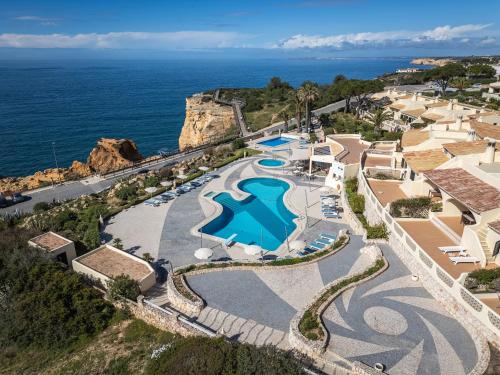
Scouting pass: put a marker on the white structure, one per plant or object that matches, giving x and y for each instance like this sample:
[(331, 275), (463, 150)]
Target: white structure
[(55, 246), (493, 91), (107, 262)]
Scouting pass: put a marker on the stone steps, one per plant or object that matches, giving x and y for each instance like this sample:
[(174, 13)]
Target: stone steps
[(242, 330)]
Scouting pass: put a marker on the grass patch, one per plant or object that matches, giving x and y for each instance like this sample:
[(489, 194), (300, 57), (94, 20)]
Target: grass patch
[(266, 116)]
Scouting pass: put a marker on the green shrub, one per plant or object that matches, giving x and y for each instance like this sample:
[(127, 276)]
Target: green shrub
[(91, 238), (377, 231), (357, 203), (123, 286), (411, 207), (239, 143), (126, 192), (40, 207), (151, 181), (485, 276)]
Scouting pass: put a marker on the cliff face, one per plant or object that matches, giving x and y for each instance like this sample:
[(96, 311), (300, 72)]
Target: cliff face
[(112, 154), (431, 61), (205, 120), (108, 155)]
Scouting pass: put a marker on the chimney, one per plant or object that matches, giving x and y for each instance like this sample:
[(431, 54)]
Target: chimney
[(489, 154), (414, 98), (458, 122), (450, 106), (471, 135)]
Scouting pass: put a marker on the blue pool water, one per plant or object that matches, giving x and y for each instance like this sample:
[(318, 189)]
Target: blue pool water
[(271, 162), (261, 219), (278, 141)]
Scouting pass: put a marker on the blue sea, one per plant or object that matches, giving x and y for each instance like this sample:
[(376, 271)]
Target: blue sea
[(74, 103)]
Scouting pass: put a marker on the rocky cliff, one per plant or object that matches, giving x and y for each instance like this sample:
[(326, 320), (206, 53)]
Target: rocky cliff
[(205, 121), (108, 155), (432, 61), (113, 154)]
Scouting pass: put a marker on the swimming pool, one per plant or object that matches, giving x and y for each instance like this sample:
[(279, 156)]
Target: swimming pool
[(278, 141), (262, 218), (271, 162)]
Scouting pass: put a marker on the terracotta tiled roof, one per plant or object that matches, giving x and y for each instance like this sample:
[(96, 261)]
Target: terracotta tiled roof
[(397, 106), (414, 137), (484, 130), (474, 193), (435, 105), (414, 112), (112, 263), (420, 161), (50, 241), (495, 225), (432, 116), (466, 148)]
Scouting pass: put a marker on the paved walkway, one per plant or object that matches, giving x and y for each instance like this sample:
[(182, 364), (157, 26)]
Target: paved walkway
[(395, 321)]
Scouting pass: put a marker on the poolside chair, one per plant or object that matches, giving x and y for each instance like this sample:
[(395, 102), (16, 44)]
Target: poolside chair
[(316, 245), (452, 249), (230, 240), (331, 215), (323, 241), (464, 259), (328, 236)]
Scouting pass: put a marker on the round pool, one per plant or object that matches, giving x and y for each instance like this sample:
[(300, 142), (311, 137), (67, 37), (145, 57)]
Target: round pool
[(271, 163)]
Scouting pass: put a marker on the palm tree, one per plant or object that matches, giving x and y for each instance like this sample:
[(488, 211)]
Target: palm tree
[(308, 93), (297, 101), (460, 83), (378, 117), (285, 117)]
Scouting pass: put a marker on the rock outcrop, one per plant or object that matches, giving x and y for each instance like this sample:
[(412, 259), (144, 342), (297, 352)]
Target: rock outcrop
[(431, 61), (205, 121), (113, 154), (108, 155)]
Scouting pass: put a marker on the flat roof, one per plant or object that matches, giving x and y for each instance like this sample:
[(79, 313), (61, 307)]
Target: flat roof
[(420, 161), (112, 262), (354, 148), (466, 148), (50, 241), (386, 191), (474, 193), (414, 137), (378, 161)]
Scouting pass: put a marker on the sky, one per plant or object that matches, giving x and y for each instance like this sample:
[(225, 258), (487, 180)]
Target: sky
[(248, 29)]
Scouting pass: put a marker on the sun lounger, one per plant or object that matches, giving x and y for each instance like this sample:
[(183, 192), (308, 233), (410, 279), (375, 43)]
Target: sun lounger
[(230, 240), (452, 249), (331, 216), (316, 245), (151, 202), (466, 259), (328, 236), (323, 241)]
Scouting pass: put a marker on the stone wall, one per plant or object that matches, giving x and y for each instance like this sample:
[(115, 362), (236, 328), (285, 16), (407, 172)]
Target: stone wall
[(180, 302)]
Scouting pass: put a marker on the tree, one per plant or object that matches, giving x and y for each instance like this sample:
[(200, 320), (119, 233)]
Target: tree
[(443, 74), (460, 83), (239, 143), (118, 243), (297, 101), (40, 207), (345, 89), (123, 286), (285, 117), (147, 257), (308, 93), (362, 88), (378, 117), (481, 71)]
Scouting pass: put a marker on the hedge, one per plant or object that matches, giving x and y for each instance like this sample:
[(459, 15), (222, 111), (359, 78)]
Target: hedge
[(411, 207)]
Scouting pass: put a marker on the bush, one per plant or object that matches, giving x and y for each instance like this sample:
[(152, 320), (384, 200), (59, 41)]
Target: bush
[(151, 181), (411, 207), (377, 231), (166, 172), (126, 192), (485, 276), (357, 203), (123, 286), (239, 143), (40, 207), (91, 238)]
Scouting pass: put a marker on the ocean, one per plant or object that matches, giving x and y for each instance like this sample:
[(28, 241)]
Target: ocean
[(69, 105)]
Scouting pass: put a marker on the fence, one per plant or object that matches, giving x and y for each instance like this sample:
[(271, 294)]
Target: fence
[(481, 312)]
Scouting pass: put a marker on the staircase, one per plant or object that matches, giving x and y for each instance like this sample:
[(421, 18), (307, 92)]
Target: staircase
[(488, 252)]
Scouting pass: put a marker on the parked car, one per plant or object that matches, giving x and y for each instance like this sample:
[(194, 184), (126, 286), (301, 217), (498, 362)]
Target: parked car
[(18, 198)]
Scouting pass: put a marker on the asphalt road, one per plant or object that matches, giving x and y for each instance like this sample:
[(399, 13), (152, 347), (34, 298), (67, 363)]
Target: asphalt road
[(73, 189)]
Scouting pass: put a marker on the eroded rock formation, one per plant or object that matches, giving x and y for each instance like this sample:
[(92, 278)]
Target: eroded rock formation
[(205, 121)]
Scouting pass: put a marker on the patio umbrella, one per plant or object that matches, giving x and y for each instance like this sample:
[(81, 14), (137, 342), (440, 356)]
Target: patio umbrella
[(252, 249), (181, 176), (166, 183), (297, 245), (151, 190), (203, 253)]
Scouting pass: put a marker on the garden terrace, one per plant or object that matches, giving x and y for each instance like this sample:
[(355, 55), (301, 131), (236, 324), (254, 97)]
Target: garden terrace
[(411, 207)]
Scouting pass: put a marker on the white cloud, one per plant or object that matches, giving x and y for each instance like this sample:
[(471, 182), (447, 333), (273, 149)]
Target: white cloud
[(44, 21), (142, 40), (443, 34)]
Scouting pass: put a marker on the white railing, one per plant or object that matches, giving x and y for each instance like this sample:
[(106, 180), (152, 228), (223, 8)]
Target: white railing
[(483, 313)]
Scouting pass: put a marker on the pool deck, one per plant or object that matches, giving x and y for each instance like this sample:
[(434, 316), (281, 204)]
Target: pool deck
[(390, 319)]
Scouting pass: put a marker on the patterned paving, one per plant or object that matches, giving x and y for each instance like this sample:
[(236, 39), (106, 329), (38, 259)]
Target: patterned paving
[(393, 320)]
